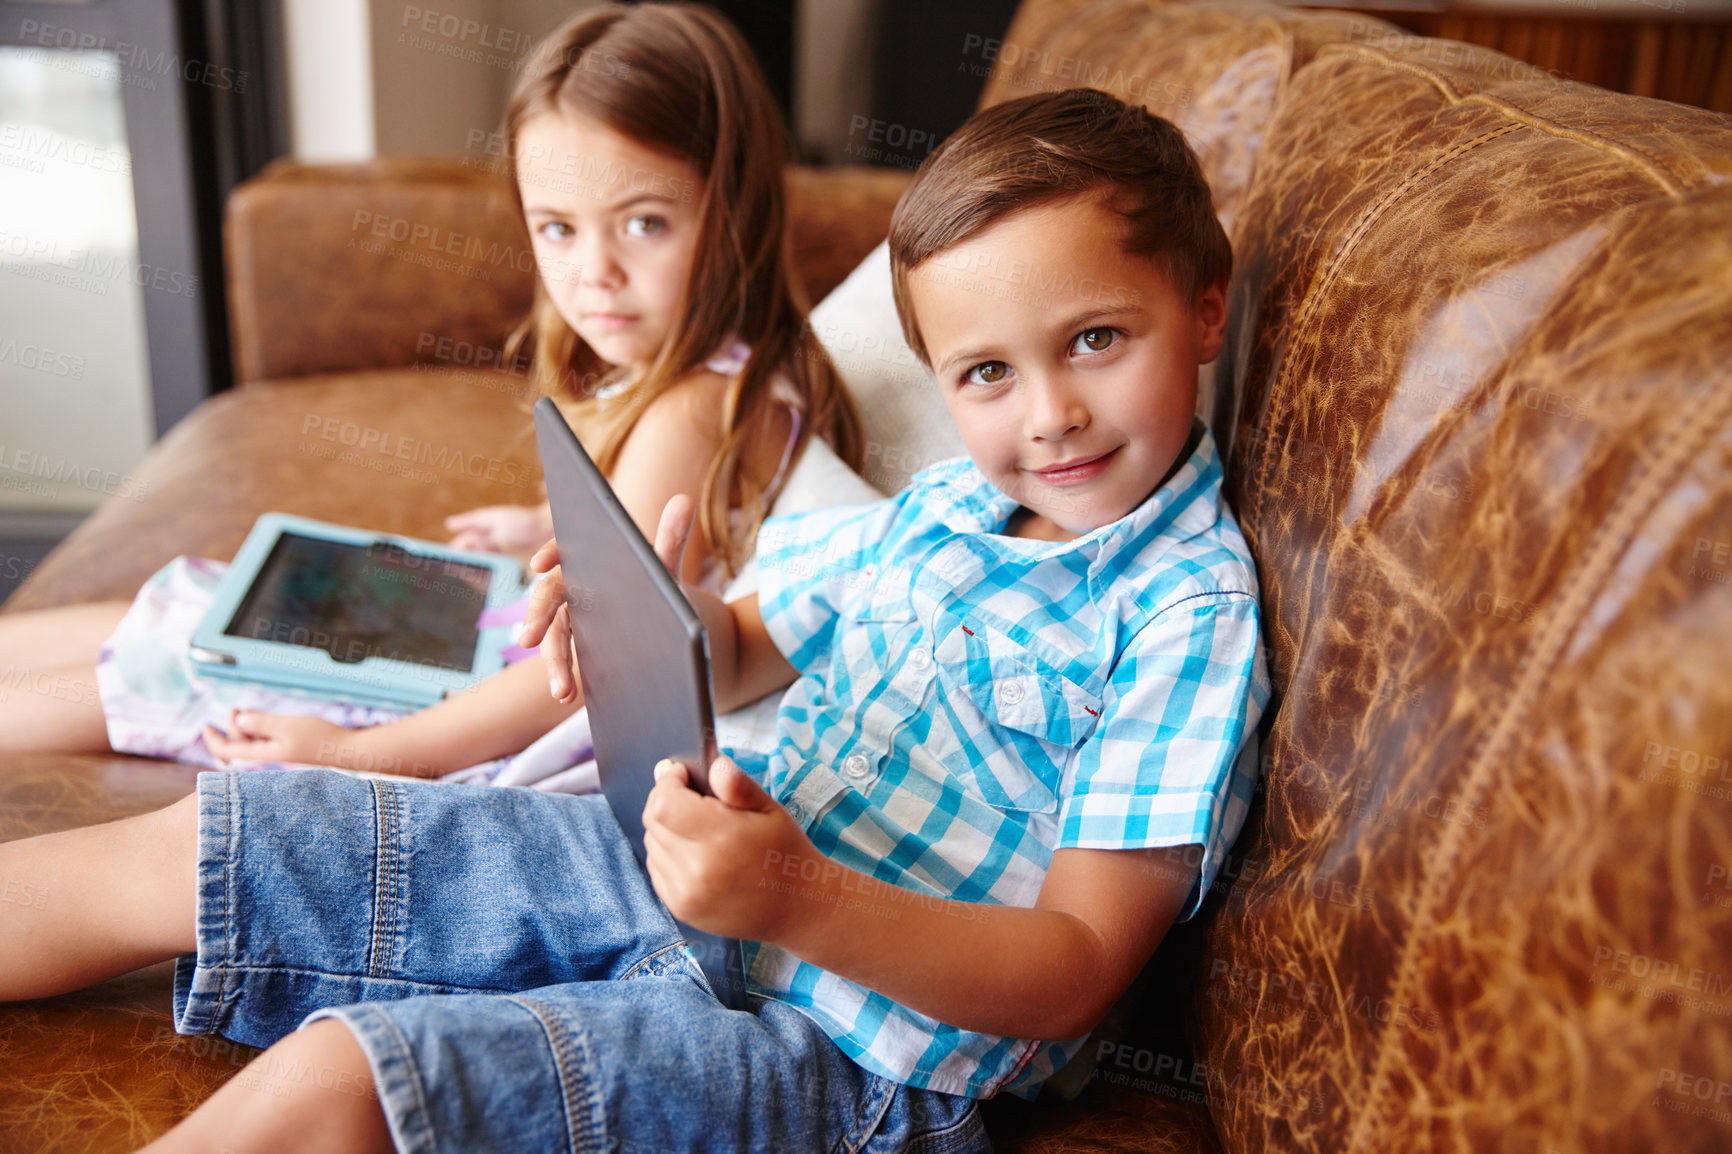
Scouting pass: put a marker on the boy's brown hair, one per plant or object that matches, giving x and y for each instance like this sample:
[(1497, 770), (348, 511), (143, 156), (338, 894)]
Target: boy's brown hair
[(1038, 149)]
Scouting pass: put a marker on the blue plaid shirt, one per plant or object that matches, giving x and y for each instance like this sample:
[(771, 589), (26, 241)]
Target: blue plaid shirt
[(968, 703)]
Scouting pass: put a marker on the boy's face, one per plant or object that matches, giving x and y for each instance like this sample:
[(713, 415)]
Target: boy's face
[(1069, 365), (614, 226)]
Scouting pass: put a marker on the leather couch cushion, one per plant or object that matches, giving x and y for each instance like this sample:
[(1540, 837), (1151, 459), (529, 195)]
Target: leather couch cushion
[(397, 450), (1101, 1122), (335, 268), (1215, 68), (340, 267), (1476, 376), (100, 1069)]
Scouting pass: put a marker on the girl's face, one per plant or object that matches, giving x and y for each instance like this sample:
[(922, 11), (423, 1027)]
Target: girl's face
[(614, 225)]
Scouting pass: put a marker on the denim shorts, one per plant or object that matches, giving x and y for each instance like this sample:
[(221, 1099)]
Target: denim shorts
[(515, 983)]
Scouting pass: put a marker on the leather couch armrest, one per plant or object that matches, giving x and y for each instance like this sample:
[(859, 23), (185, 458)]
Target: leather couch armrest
[(839, 215), (342, 268)]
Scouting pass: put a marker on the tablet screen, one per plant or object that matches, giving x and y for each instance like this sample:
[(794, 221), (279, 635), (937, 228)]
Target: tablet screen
[(361, 601)]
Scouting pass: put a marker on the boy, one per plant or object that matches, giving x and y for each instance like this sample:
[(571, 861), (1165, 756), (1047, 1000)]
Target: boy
[(1026, 664)]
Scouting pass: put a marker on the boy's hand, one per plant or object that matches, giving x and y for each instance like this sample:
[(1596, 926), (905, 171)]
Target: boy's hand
[(547, 620), (707, 855), (547, 623), (276, 737)]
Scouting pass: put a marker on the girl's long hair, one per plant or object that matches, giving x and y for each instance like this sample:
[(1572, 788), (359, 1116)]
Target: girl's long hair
[(678, 79)]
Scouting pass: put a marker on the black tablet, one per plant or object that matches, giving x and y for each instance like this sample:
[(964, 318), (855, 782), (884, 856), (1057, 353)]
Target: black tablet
[(642, 656)]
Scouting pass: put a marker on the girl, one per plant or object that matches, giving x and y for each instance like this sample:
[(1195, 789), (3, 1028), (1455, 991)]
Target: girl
[(647, 157)]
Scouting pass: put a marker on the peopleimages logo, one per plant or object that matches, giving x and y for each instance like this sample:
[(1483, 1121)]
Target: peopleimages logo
[(466, 31), (86, 270), (400, 447), (21, 463), (134, 59), (36, 144), (43, 360)]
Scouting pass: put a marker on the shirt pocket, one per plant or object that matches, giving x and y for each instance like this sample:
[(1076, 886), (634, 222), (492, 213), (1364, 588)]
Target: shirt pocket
[(1013, 719)]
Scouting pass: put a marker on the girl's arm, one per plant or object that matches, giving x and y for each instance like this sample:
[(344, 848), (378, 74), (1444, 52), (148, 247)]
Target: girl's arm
[(668, 452), (499, 716)]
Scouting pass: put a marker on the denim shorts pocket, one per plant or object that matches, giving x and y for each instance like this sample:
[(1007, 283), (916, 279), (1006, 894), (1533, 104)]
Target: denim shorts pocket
[(965, 1135), (929, 1122), (670, 959)]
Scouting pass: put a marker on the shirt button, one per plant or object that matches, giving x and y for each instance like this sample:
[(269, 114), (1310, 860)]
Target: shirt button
[(855, 765), (918, 659), (1011, 691)]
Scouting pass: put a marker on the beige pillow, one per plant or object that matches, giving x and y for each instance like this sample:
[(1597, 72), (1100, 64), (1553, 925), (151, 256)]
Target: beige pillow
[(907, 425)]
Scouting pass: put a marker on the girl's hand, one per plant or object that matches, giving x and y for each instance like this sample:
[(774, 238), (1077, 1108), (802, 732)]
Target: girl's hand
[(277, 737), (283, 737), (715, 861), (500, 528)]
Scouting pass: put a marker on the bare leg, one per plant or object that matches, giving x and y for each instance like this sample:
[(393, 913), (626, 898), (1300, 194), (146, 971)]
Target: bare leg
[(52, 710), (48, 698), (310, 1091), (48, 638), (87, 904)]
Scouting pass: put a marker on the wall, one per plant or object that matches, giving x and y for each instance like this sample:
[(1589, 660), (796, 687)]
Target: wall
[(330, 79), (386, 78), (443, 70)]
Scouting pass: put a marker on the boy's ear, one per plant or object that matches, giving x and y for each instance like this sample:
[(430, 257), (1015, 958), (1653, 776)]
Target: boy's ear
[(1210, 313)]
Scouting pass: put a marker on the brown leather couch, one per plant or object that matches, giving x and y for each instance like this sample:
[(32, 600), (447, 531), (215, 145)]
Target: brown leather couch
[(1478, 413)]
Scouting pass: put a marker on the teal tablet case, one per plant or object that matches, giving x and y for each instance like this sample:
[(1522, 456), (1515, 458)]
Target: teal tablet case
[(365, 674)]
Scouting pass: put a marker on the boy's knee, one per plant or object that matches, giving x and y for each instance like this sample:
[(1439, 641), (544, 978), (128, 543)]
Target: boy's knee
[(332, 1041), (165, 848), (179, 822)]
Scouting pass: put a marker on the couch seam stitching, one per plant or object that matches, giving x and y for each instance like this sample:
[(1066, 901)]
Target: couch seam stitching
[(1657, 169), (1331, 272), (232, 864), (1390, 60), (1609, 545)]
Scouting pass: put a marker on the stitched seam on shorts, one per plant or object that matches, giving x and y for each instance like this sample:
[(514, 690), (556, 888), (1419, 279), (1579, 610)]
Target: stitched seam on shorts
[(385, 980), (385, 879), (230, 864), (587, 1133), (960, 1134), (405, 1055), (643, 966), (885, 1089)]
